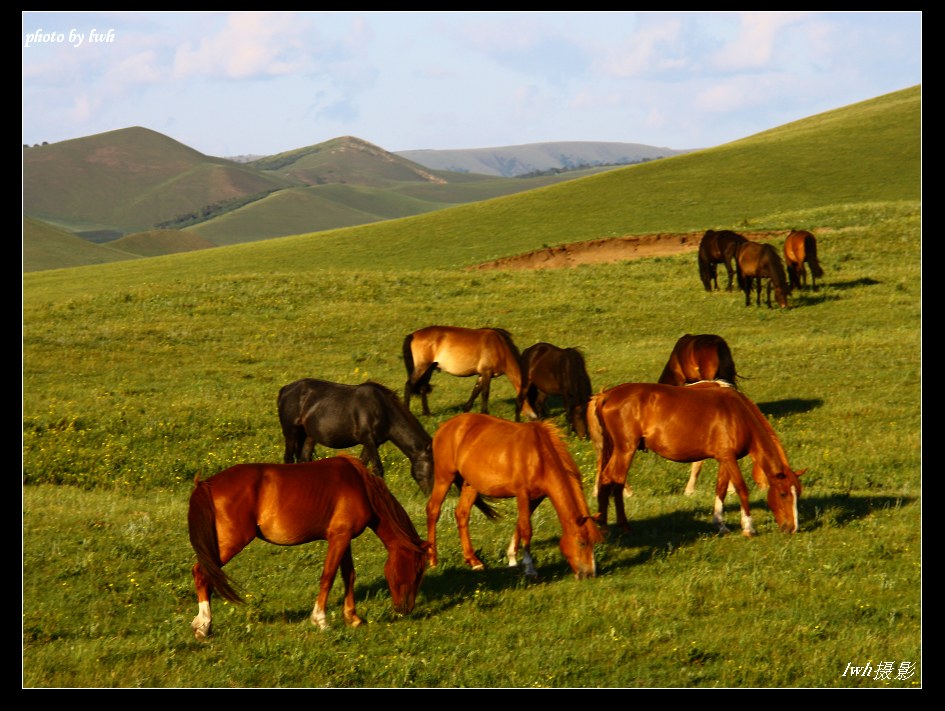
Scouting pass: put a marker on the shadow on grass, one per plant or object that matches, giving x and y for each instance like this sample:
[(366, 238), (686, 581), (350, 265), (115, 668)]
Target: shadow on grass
[(452, 584)]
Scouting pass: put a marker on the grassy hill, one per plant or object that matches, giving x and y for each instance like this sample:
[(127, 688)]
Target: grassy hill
[(129, 180), (855, 155), (135, 180)]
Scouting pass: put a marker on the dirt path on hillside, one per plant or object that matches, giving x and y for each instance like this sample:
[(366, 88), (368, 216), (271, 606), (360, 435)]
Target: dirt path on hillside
[(614, 249)]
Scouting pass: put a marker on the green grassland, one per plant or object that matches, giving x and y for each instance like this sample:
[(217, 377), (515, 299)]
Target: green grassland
[(139, 375)]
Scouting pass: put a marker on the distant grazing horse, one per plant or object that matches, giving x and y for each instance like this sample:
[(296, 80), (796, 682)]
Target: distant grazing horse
[(696, 358), (486, 353), (757, 261), (688, 424), (330, 500), (487, 456), (339, 416), (549, 370), (714, 249), (799, 247)]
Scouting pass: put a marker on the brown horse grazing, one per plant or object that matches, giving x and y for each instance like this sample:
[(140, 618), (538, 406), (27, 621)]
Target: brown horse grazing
[(487, 456), (339, 416), (330, 500), (484, 352), (714, 249), (549, 370), (696, 358), (688, 424), (799, 247), (757, 261)]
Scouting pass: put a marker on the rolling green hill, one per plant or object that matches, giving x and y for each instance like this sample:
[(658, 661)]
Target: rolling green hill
[(129, 180), (135, 180), (857, 155)]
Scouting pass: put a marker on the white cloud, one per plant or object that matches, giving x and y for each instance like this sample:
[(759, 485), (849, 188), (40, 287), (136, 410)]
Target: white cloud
[(251, 44)]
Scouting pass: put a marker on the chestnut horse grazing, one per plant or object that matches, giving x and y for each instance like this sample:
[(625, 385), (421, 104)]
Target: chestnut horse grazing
[(688, 424), (714, 249), (801, 246), (549, 370), (486, 456), (339, 416), (694, 359), (330, 500), (484, 352), (757, 261)]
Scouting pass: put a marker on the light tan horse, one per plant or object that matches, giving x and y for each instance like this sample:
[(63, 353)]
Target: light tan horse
[(486, 353)]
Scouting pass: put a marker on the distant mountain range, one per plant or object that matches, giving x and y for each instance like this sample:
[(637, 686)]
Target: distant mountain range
[(537, 158), (134, 188)]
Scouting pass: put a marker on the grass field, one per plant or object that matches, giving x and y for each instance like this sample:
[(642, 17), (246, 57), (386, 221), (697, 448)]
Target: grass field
[(139, 375)]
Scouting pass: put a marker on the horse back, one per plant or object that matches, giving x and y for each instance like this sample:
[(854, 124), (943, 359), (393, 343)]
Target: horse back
[(683, 424)]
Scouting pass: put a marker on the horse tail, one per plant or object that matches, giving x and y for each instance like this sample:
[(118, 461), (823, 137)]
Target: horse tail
[(408, 355), (810, 250), (705, 273), (606, 446), (201, 520), (726, 369)]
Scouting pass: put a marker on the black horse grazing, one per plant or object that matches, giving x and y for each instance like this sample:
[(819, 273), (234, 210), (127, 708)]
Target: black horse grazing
[(549, 370), (714, 249), (334, 415), (756, 260)]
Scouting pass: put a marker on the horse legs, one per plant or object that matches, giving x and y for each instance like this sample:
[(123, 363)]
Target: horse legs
[(308, 449), (522, 536), (612, 483), (339, 555), (441, 486), (731, 275), (371, 458), (294, 439), (693, 477), (694, 471), (201, 624), (482, 386), (730, 473), (466, 498)]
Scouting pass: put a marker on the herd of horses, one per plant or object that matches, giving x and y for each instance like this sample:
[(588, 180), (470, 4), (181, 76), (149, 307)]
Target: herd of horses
[(752, 263), (694, 412)]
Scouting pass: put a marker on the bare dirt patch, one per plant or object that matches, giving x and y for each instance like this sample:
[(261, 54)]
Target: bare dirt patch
[(613, 249)]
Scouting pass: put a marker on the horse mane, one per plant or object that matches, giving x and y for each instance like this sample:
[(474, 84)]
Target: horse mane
[(766, 426), (579, 383), (777, 272), (386, 507), (507, 337), (560, 451)]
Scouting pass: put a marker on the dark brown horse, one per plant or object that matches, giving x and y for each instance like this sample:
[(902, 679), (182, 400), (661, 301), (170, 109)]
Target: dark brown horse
[(799, 247), (330, 500), (550, 370), (486, 353), (696, 358), (688, 424), (757, 261), (340, 416), (487, 456), (714, 249)]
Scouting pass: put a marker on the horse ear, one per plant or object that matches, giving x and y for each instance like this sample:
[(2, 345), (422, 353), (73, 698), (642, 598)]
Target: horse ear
[(802, 471)]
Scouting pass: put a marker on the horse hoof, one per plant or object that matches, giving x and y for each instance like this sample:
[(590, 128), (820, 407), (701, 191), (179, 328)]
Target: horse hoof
[(478, 566)]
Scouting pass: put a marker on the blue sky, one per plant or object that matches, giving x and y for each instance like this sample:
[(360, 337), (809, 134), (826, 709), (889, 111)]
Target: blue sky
[(232, 83)]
